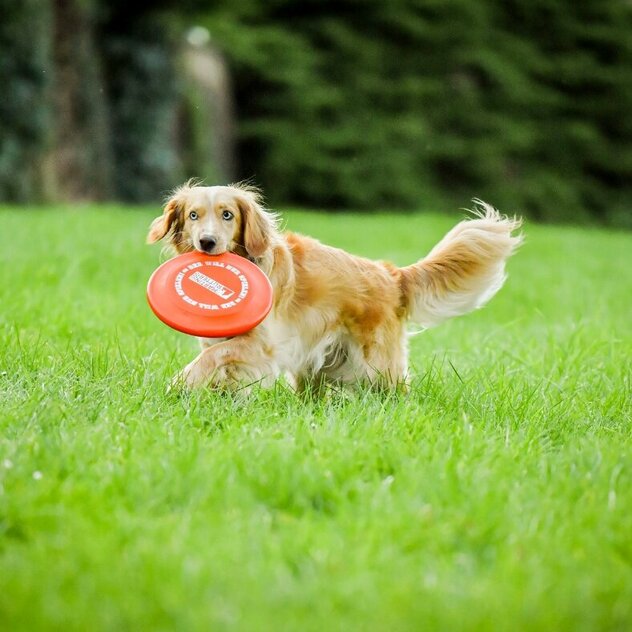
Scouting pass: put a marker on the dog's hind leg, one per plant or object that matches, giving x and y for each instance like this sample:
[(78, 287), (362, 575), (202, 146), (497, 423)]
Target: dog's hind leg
[(382, 366)]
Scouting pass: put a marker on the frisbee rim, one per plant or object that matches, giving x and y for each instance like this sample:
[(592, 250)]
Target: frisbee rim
[(226, 327)]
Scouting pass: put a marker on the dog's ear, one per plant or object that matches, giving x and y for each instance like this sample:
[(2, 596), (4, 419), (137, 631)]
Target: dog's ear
[(258, 225), (163, 223)]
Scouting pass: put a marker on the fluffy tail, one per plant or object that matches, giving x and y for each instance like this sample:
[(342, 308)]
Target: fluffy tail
[(463, 271)]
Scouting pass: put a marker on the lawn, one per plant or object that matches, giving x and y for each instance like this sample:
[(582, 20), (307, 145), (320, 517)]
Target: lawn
[(496, 494)]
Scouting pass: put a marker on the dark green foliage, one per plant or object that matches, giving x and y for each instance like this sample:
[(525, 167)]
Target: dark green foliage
[(143, 93), (414, 102), (366, 104), (25, 111)]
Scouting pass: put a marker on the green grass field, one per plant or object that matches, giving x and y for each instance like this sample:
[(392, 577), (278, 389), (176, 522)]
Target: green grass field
[(496, 495)]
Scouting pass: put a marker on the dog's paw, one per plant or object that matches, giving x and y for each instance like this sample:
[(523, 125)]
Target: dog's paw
[(197, 374), (192, 376), (233, 377)]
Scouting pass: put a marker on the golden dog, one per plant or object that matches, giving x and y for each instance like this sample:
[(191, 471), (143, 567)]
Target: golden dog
[(336, 318)]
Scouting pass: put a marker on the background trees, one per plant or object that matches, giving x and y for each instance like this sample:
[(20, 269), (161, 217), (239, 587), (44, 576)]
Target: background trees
[(372, 104)]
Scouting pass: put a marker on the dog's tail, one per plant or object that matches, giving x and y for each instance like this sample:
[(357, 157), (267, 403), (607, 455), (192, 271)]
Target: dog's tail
[(463, 271)]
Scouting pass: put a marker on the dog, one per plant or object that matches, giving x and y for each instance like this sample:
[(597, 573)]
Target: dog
[(336, 319)]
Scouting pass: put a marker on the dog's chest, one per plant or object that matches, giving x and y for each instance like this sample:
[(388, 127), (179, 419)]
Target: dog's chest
[(308, 346)]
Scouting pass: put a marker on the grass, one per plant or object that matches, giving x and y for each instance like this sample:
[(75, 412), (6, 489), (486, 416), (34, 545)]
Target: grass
[(497, 494)]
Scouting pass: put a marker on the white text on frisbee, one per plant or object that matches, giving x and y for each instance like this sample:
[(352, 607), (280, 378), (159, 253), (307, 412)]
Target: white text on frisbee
[(212, 285)]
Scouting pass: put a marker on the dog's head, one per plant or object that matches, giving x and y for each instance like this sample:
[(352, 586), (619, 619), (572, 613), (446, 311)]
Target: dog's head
[(215, 220)]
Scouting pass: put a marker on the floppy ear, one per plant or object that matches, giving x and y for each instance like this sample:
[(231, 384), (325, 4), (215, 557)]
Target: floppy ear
[(162, 224), (258, 226)]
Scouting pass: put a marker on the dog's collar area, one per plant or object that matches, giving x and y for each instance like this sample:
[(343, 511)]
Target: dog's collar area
[(254, 260)]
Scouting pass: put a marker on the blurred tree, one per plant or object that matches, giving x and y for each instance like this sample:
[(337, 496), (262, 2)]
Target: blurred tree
[(420, 102), (25, 111), (80, 154), (579, 155), (354, 103), (206, 126), (139, 54)]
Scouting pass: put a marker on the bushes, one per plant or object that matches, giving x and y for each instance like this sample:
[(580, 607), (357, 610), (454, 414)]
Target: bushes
[(415, 102), (142, 91), (356, 103), (25, 111)]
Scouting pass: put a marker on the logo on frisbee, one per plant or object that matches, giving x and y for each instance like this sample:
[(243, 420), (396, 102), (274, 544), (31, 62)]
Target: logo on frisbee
[(211, 285), (192, 273)]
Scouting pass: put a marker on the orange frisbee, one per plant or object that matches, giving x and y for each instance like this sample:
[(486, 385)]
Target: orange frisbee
[(211, 296)]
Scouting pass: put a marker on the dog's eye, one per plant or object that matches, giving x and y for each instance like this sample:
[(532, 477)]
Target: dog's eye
[(193, 215), (227, 215)]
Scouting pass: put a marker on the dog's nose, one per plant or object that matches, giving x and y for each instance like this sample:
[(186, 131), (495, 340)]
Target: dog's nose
[(207, 243)]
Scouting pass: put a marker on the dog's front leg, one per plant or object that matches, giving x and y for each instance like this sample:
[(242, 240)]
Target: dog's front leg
[(233, 364), (209, 342)]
